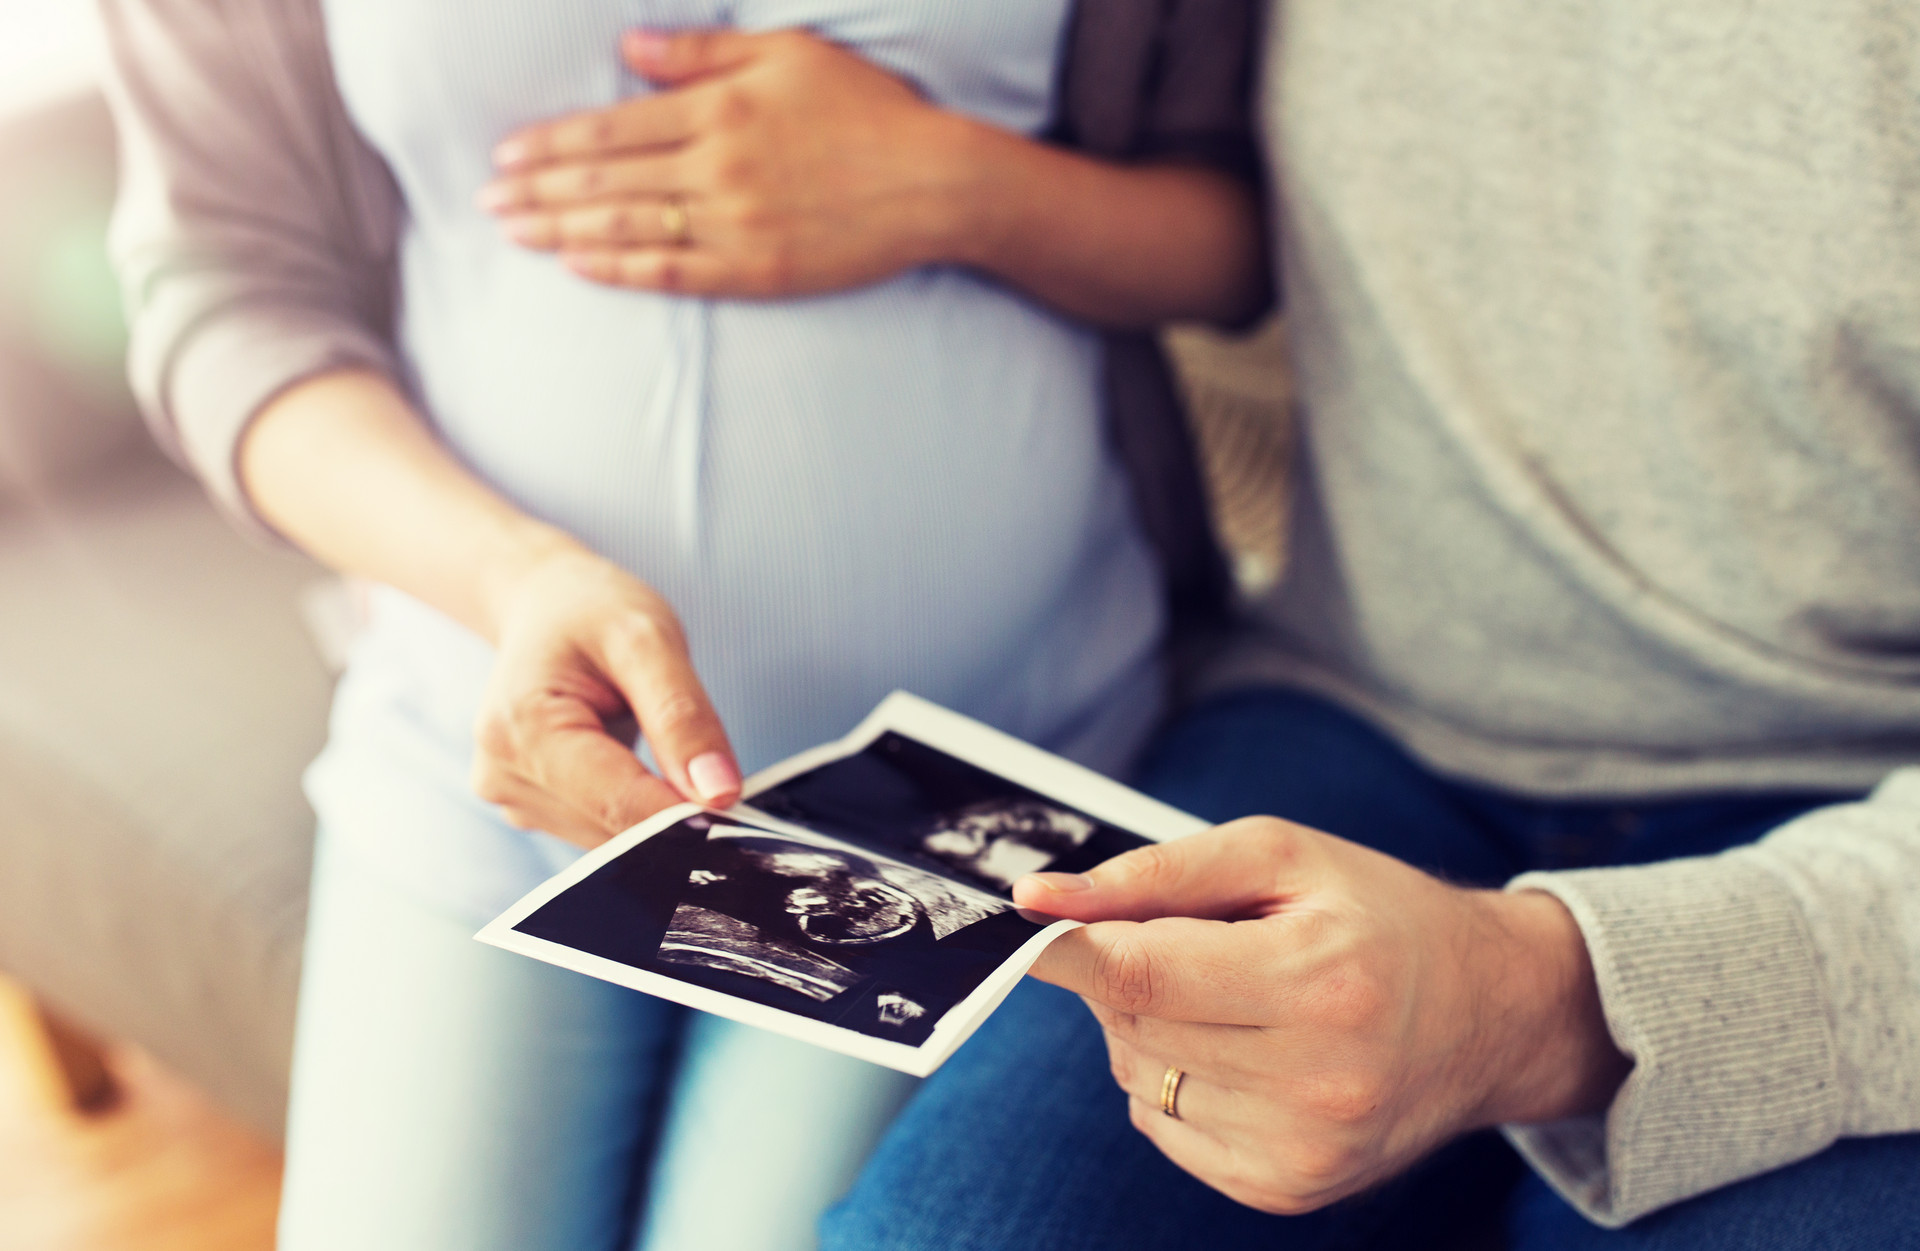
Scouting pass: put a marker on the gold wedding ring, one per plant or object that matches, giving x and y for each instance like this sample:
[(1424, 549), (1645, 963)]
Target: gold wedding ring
[(673, 220), (1170, 1091)]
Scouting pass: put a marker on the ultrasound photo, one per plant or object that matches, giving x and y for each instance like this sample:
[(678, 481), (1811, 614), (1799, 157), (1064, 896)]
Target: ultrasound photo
[(802, 924), (905, 798), (859, 898)]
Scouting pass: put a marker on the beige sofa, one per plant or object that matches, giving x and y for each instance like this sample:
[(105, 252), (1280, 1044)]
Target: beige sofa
[(158, 692)]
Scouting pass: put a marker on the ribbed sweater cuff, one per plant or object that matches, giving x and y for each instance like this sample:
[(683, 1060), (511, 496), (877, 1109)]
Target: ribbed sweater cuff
[(1708, 977), (231, 366)]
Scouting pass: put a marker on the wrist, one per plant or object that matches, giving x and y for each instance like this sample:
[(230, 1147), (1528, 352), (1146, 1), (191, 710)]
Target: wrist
[(515, 559), (977, 182), (1549, 1053)]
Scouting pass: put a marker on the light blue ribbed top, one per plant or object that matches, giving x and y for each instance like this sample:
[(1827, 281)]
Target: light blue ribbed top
[(907, 485)]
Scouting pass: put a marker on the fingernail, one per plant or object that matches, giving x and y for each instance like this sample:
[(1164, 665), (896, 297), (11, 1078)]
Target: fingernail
[(713, 775), (1064, 883), (495, 196), (521, 231), (511, 152), (646, 45)]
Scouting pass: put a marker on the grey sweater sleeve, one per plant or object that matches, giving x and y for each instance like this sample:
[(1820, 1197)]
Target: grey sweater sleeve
[(253, 234), (1769, 998)]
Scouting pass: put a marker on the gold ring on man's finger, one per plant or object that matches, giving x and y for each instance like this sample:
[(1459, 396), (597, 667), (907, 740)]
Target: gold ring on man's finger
[(1170, 1091)]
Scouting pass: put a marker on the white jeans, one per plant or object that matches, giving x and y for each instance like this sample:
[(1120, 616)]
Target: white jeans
[(449, 1096)]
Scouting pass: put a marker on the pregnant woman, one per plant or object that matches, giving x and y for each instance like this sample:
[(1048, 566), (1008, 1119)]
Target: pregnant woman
[(806, 408)]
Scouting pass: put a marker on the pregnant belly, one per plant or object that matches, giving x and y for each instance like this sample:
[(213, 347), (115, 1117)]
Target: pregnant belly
[(903, 486)]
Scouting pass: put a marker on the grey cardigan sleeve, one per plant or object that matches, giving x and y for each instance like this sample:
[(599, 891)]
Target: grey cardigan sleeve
[(254, 231), (1769, 997)]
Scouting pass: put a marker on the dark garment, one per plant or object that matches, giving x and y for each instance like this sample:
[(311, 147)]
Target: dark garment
[(1022, 1140), (1160, 80)]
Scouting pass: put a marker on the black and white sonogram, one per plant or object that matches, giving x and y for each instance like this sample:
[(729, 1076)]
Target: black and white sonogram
[(903, 798), (805, 925)]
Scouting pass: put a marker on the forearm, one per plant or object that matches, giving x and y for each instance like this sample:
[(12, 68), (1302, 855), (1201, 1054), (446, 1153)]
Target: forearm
[(1766, 996), (1117, 245), (343, 466)]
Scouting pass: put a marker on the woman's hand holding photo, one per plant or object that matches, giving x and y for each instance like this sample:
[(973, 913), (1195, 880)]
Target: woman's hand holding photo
[(587, 653)]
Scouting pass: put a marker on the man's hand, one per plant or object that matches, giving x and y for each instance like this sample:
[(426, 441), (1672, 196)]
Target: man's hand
[(1338, 1014), (771, 164)]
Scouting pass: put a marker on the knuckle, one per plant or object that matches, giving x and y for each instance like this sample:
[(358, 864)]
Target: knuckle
[(1348, 1099), (680, 710), (647, 633), (1126, 970), (1350, 1000), (1154, 868), (748, 214), (612, 814), (732, 107), (1280, 840)]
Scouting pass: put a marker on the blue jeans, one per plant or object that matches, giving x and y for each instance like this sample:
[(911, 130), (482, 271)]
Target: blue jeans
[(1022, 1140)]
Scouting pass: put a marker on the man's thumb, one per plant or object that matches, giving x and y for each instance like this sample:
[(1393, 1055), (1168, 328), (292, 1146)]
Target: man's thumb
[(683, 57), (1221, 874)]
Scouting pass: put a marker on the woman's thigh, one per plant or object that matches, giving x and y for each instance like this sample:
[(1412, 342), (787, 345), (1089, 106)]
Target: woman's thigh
[(1862, 1192), (449, 1095), (762, 1133)]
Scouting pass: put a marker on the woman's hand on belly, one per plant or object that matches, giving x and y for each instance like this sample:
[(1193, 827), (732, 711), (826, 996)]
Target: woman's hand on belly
[(586, 654), (780, 164), (747, 178)]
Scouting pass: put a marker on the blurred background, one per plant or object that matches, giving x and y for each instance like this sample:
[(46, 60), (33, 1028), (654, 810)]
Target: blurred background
[(140, 944), (163, 682)]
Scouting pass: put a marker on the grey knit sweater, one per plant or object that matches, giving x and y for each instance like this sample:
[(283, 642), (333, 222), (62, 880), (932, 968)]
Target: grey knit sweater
[(1607, 325)]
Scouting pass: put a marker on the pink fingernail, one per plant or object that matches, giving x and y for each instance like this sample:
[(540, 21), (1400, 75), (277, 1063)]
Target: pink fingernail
[(713, 775), (495, 196), (511, 152), (646, 45), (1064, 883)]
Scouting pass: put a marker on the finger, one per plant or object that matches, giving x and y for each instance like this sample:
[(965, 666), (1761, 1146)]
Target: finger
[(1176, 969), (647, 659), (570, 781), (604, 227), (1230, 871), (1227, 1055), (528, 807), (656, 121), (1197, 1099), (577, 182), (686, 55), (674, 270)]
